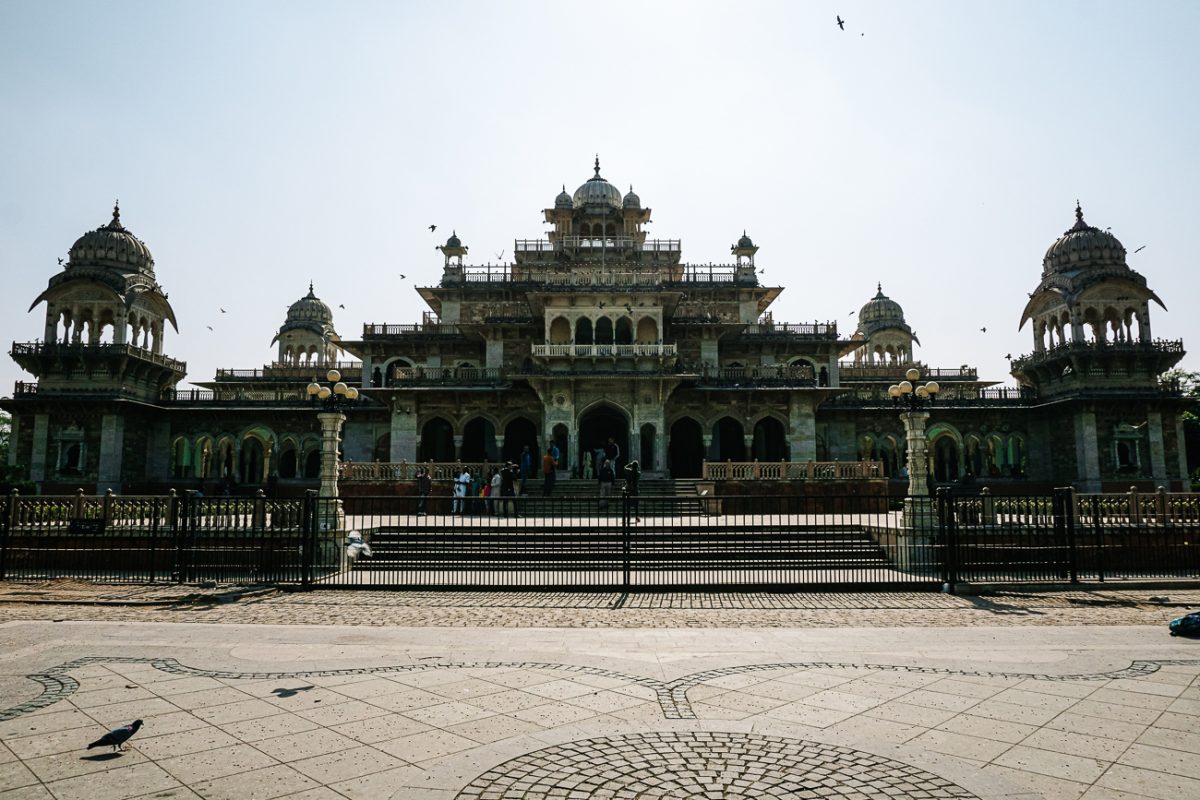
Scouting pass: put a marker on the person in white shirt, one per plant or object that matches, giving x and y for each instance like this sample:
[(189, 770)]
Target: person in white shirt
[(460, 491)]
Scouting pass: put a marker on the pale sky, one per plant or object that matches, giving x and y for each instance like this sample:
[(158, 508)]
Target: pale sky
[(936, 147)]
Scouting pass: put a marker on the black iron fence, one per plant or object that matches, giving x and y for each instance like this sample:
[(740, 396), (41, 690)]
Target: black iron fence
[(620, 542)]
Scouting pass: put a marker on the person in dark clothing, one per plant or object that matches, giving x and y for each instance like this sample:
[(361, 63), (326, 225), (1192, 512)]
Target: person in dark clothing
[(424, 487), (508, 489), (612, 452), (526, 467), (548, 474), (633, 474), (607, 478)]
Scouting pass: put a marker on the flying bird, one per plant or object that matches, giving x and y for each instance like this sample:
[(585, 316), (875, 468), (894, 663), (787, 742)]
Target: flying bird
[(403, 276), (117, 737), (341, 305), (500, 256), (840, 23), (1140, 249), (602, 305), (1008, 356), (60, 261), (209, 327), (223, 311), (983, 330), (432, 228), (852, 313)]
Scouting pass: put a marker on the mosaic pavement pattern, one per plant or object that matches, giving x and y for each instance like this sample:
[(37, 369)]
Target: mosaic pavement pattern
[(730, 766), (388, 731)]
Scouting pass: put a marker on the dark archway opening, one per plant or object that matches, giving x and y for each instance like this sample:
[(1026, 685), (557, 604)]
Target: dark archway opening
[(251, 462), (287, 464), (559, 436), (600, 424), (604, 331), (945, 460), (728, 441), (383, 448), (685, 457), (312, 464), (625, 334), (437, 441), (518, 433), (583, 331), (770, 441), (479, 441), (646, 457)]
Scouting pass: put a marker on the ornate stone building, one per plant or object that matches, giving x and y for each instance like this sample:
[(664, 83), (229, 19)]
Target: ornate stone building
[(595, 332)]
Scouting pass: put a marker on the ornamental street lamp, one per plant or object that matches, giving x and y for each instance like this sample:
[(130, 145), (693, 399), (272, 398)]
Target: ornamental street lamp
[(918, 508), (331, 398)]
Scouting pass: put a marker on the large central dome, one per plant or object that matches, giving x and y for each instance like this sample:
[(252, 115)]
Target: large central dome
[(597, 192)]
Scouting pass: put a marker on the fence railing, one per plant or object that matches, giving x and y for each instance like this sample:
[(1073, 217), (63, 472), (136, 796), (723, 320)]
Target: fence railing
[(603, 541), (791, 470), (604, 350)]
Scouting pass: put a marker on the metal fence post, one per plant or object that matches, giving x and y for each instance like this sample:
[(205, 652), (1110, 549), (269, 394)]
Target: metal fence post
[(1064, 529), (155, 511), (949, 538), (9, 522), (308, 538), (625, 536), (1098, 532)]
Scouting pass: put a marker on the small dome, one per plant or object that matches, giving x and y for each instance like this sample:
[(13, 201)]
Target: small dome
[(597, 192), (1084, 246), (563, 200), (112, 245), (309, 309), (453, 241), (745, 241), (631, 200), (880, 311)]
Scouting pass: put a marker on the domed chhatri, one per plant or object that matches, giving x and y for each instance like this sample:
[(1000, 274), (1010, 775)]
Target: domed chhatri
[(1083, 246), (112, 245), (745, 241), (453, 241), (631, 200), (597, 192), (880, 311), (309, 308), (564, 199)]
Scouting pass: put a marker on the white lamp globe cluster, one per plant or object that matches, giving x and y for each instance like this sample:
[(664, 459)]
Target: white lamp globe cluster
[(338, 388), (925, 391)]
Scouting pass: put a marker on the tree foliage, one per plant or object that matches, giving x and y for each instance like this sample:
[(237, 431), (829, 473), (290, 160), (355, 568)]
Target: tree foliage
[(1189, 385)]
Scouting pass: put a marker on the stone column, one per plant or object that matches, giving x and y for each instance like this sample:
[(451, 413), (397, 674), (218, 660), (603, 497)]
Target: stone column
[(918, 507), (1158, 449), (494, 353), (38, 454), (1087, 453), (1180, 447), (748, 443), (112, 445), (708, 451), (330, 510), (404, 439), (802, 430), (458, 443)]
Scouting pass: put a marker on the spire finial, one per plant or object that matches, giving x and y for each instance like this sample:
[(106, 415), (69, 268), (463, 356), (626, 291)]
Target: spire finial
[(879, 287), (597, 165), (1078, 212), (310, 287)]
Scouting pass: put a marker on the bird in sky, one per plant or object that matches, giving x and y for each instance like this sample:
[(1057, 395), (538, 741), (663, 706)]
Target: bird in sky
[(983, 330), (342, 305), (841, 23), (117, 737), (1008, 356), (432, 228), (403, 276), (60, 262), (209, 327), (223, 311), (500, 256), (1140, 249)]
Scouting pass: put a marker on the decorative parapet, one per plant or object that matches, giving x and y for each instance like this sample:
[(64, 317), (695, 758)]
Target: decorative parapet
[(792, 470)]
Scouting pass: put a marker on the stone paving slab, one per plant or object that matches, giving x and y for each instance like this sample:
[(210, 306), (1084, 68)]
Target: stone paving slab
[(244, 711)]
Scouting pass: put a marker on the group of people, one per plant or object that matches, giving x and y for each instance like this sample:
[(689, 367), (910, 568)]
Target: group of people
[(495, 492)]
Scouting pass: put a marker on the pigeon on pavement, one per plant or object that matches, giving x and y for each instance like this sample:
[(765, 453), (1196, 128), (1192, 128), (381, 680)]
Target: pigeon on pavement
[(117, 737)]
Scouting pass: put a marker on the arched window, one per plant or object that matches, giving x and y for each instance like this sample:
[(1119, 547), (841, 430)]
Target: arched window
[(312, 464), (560, 331), (624, 331), (604, 331), (945, 460), (287, 463), (647, 331), (583, 331)]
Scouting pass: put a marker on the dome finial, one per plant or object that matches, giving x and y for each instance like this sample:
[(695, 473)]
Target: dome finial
[(116, 211), (597, 165), (1078, 212), (310, 289)]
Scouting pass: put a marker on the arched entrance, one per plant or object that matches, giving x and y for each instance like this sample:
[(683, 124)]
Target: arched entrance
[(518, 433), (600, 424), (437, 441), (770, 443), (945, 460), (559, 435), (685, 456), (479, 441), (646, 458), (728, 441), (251, 461)]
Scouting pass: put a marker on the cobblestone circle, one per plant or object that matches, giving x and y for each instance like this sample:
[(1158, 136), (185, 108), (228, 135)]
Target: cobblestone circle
[(731, 766)]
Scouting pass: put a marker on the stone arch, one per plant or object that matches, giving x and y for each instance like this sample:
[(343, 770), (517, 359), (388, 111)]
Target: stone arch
[(389, 369), (479, 439), (520, 430), (560, 331), (685, 450), (226, 462), (600, 420), (437, 440), (945, 451), (728, 439), (382, 452), (289, 459), (624, 331), (604, 330), (647, 330), (1015, 447), (770, 439), (974, 455), (583, 331), (181, 458), (889, 453), (254, 456), (204, 457)]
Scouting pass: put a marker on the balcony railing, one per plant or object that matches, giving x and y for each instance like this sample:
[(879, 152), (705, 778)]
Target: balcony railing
[(619, 243), (595, 274), (850, 371), (604, 350), (236, 397), (349, 369), (793, 330), (1162, 346), (949, 396), (775, 374), (416, 329), (107, 349), (447, 375), (792, 470)]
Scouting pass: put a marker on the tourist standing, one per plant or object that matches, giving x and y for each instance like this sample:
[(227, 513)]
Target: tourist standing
[(633, 474), (607, 477), (424, 485), (548, 474), (461, 482), (612, 452), (508, 487), (474, 494), (496, 481)]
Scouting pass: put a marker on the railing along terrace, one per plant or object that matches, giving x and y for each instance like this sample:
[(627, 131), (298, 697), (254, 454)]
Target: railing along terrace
[(623, 243), (24, 388), (792, 470), (1166, 346), (393, 471), (447, 375), (235, 396), (850, 371), (427, 329), (798, 375), (949, 395), (282, 371), (604, 350), (790, 329), (81, 350)]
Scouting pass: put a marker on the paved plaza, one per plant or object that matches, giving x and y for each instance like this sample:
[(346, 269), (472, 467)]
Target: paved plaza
[(253, 693)]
